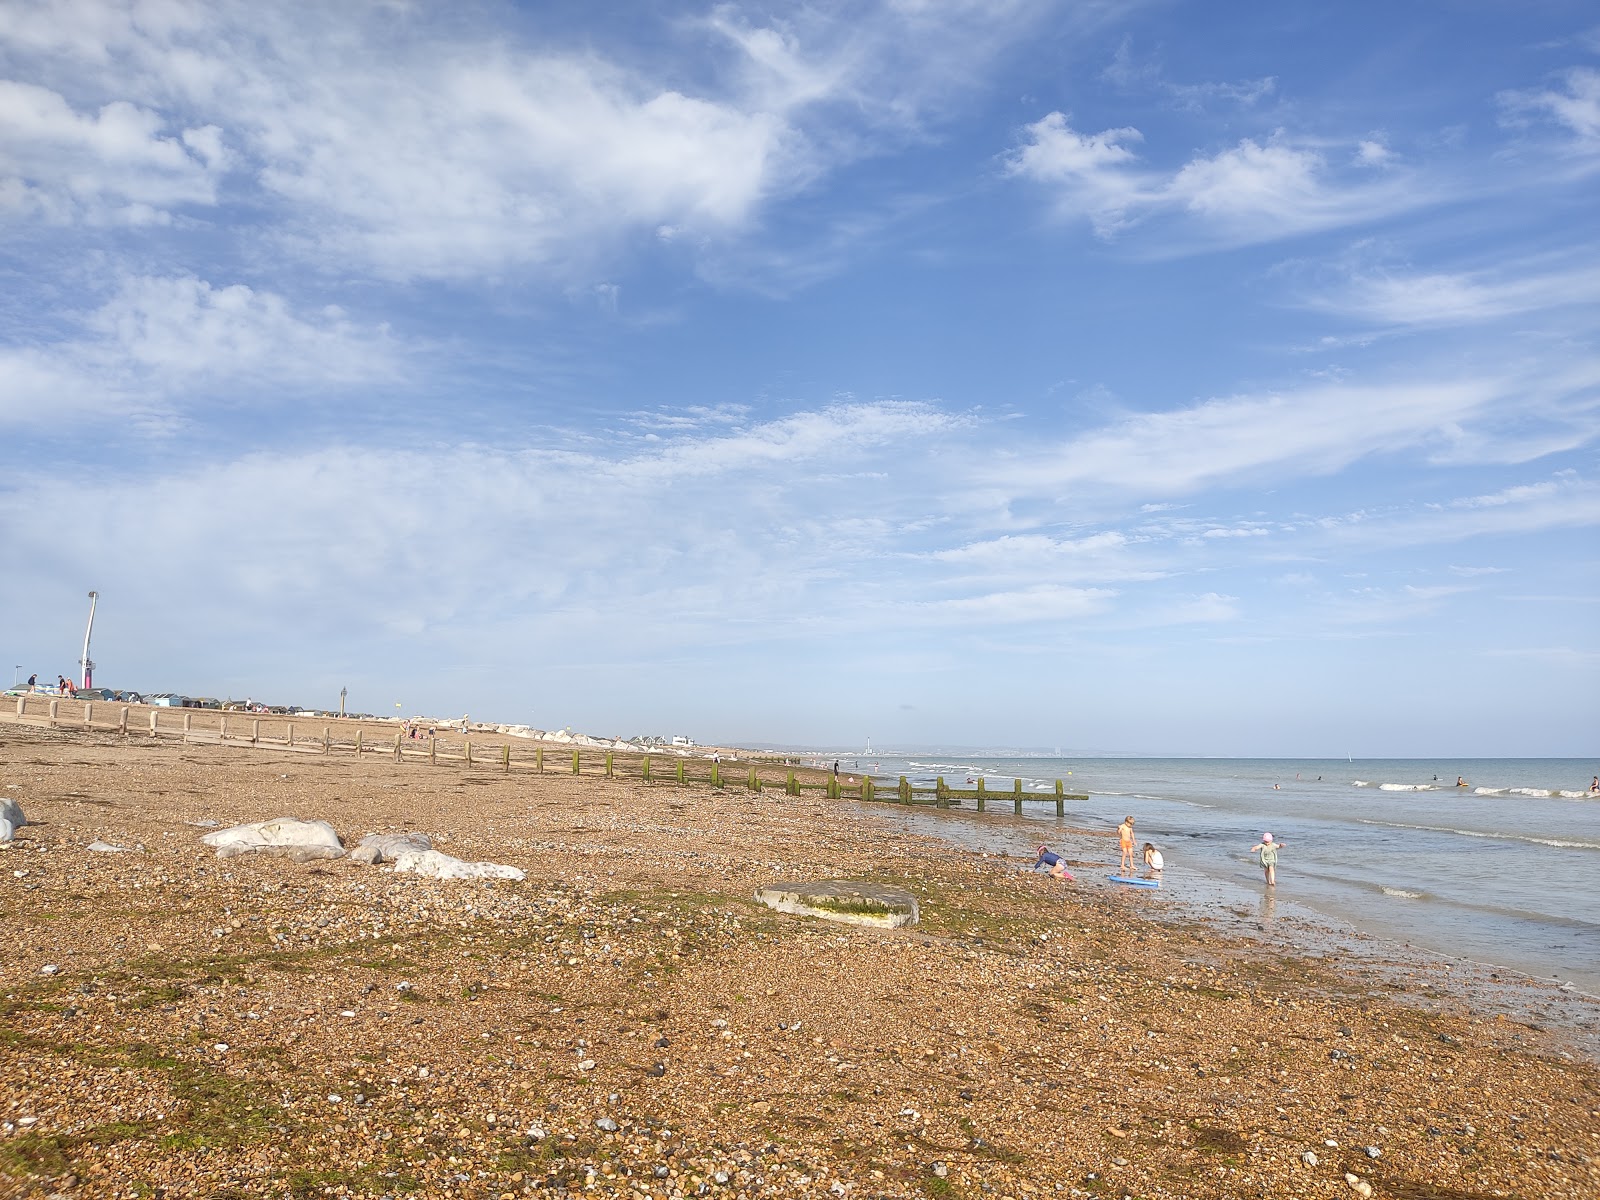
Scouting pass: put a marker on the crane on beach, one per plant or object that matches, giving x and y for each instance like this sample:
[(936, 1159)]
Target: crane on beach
[(88, 663)]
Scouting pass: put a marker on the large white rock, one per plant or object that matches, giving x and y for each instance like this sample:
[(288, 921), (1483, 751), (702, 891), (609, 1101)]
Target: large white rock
[(11, 812), (442, 866), (386, 847), (289, 837), (6, 831)]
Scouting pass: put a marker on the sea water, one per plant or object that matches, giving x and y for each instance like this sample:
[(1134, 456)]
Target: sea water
[(1504, 870)]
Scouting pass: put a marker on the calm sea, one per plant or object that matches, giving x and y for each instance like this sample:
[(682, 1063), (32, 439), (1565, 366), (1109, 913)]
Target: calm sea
[(1503, 871)]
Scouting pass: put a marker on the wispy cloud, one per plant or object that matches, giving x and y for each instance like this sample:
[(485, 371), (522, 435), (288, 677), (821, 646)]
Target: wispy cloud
[(1445, 298), (389, 140), (1256, 190), (1132, 73), (163, 346), (1574, 106)]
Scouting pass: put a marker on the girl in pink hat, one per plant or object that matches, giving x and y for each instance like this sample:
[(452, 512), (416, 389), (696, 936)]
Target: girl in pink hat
[(1268, 850)]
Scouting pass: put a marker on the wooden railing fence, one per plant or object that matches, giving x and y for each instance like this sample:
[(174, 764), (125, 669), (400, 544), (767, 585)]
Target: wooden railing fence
[(318, 737)]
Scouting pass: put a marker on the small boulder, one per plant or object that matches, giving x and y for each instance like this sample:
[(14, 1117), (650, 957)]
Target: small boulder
[(386, 847), (849, 901), (288, 837)]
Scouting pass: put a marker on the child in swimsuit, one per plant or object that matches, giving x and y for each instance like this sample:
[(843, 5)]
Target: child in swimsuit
[(1125, 837), (1058, 869)]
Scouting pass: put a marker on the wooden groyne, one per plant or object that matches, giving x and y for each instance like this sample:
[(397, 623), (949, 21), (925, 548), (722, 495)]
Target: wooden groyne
[(488, 750)]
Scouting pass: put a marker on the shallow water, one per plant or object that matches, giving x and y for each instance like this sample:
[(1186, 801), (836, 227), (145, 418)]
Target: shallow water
[(1504, 871)]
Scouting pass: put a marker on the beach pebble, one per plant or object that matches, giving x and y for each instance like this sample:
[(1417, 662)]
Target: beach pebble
[(940, 1169), (1358, 1185), (1309, 1158), (1374, 1152), (49, 969), (607, 1124)]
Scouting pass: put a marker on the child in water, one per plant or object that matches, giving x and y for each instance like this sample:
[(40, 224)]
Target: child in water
[(1058, 869), (1268, 850)]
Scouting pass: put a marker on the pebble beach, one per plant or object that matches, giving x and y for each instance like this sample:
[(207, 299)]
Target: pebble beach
[(627, 1021)]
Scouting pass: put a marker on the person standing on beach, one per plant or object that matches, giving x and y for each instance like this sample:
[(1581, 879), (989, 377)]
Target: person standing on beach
[(1125, 836), (1268, 850)]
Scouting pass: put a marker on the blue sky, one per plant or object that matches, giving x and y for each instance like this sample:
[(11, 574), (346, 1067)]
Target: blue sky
[(1167, 377)]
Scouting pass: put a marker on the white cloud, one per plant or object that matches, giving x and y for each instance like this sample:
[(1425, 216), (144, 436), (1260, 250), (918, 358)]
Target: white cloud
[(1092, 174), (1373, 153), (1253, 191), (1442, 298), (1249, 440), (414, 145), (162, 346), (1564, 503), (120, 164), (1128, 73), (1575, 107), (1045, 602)]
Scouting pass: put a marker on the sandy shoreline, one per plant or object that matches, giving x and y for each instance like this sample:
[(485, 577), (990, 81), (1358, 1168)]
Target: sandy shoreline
[(628, 1021)]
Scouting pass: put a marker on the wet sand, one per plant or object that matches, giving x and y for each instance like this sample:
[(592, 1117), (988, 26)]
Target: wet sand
[(627, 1021)]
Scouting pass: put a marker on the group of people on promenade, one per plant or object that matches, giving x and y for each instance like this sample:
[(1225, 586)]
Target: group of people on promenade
[(63, 687)]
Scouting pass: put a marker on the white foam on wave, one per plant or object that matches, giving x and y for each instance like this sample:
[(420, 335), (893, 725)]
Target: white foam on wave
[(1483, 791), (1401, 893), (1478, 833), (1563, 843), (1362, 783), (1407, 787)]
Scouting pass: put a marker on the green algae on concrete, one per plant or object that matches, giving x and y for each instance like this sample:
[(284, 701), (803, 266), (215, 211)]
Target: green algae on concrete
[(850, 901)]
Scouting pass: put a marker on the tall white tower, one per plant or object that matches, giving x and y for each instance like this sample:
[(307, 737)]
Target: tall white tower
[(88, 663)]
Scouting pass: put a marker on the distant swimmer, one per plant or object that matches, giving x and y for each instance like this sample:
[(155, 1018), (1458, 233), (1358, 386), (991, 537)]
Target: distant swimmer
[(1460, 781), (1058, 869), (1594, 786), (1267, 849), (1125, 837)]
